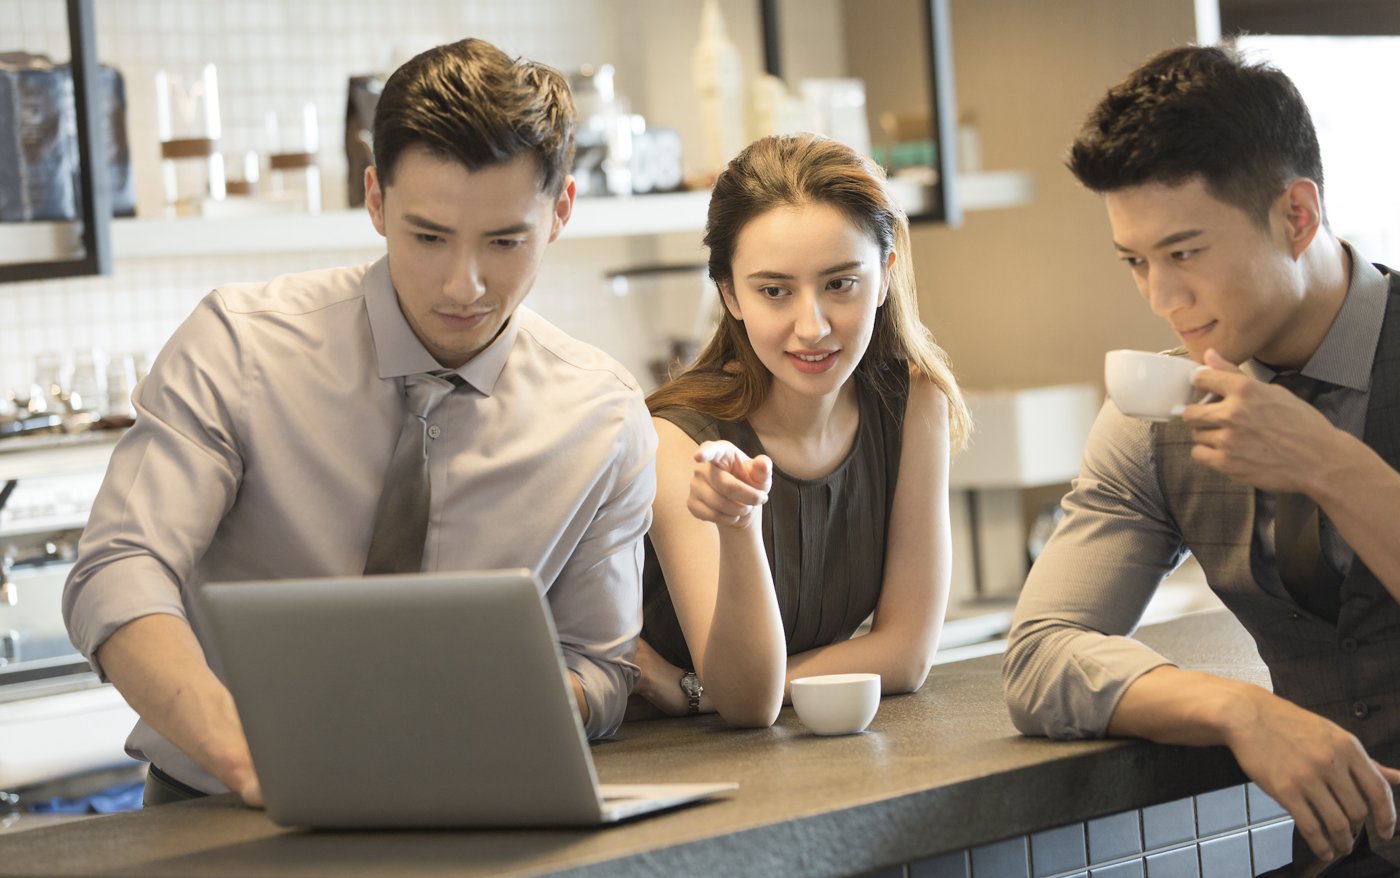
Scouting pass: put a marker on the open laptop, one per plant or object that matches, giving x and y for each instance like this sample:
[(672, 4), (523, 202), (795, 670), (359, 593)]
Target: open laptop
[(424, 700)]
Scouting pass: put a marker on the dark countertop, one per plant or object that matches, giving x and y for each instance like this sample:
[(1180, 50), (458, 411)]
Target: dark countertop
[(939, 770)]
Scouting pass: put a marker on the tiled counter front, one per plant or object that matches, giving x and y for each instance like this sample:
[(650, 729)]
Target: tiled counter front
[(1227, 833)]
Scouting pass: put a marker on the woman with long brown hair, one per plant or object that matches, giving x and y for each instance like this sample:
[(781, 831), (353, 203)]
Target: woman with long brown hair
[(802, 473)]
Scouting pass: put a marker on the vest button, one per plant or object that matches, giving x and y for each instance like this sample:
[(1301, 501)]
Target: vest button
[(434, 431), (1295, 616), (1360, 709), (1349, 644)]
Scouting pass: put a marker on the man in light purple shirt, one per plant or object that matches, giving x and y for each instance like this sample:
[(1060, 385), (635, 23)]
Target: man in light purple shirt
[(267, 423)]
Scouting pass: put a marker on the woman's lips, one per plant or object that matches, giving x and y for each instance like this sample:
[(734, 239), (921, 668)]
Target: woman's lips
[(812, 362)]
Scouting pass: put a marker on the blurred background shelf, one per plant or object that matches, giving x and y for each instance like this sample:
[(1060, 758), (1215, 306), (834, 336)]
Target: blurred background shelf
[(251, 232), (56, 454)]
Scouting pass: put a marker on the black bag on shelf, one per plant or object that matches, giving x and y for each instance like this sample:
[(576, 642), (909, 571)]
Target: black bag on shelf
[(40, 162), (39, 140)]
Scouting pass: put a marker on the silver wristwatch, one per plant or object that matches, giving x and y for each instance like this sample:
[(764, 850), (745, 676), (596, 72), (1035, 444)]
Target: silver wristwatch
[(690, 685)]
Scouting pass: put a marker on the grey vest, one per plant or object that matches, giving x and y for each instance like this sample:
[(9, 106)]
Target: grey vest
[(1348, 672)]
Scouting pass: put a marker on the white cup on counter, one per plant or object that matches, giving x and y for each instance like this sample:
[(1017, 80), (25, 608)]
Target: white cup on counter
[(836, 704)]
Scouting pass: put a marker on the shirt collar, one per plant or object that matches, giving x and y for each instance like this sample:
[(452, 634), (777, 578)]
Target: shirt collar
[(399, 352), (1348, 350)]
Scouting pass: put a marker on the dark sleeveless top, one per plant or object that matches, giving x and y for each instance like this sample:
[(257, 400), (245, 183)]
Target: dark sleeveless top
[(825, 537)]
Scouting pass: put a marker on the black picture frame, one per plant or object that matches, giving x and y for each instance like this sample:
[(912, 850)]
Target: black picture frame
[(942, 204), (95, 194)]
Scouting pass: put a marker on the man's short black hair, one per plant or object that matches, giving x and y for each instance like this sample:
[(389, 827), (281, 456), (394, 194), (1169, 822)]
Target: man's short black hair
[(1201, 111), (471, 103)]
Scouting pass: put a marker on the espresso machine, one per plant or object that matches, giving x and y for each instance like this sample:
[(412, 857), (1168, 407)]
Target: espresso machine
[(58, 722)]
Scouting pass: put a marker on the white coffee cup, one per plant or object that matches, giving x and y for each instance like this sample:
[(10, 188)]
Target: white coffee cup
[(836, 704), (1154, 387)]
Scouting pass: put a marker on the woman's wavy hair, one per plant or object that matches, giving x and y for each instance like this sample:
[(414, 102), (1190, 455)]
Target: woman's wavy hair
[(727, 380)]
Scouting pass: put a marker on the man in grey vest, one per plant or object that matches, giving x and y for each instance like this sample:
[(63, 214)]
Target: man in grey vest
[(1283, 483)]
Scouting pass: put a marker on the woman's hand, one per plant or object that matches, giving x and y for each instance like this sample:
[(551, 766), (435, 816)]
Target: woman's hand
[(660, 682), (728, 487)]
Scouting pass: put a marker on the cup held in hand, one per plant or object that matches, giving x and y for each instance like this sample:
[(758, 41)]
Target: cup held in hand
[(1154, 387), (836, 704)]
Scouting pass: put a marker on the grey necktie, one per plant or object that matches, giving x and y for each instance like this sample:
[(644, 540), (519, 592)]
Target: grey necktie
[(401, 521), (1297, 532)]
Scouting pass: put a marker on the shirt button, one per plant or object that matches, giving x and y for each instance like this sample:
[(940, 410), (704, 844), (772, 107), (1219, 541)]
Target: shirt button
[(1360, 709), (1349, 644), (434, 431)]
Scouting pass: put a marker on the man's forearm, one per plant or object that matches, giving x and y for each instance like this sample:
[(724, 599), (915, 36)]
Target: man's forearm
[(159, 668), (1172, 706)]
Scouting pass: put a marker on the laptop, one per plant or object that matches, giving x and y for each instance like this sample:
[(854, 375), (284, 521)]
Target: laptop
[(419, 700)]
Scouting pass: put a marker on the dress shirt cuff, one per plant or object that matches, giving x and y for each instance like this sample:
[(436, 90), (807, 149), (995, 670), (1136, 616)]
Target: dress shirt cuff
[(1069, 683), (98, 602), (606, 686)]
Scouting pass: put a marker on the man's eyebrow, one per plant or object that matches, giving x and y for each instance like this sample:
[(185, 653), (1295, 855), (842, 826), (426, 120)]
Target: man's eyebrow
[(430, 226), (424, 223), (1169, 240)]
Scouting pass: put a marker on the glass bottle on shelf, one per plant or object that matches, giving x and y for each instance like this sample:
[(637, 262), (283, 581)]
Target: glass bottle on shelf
[(294, 143), (188, 124)]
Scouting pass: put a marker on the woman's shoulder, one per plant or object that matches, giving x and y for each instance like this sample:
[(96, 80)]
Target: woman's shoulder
[(902, 393), (924, 388), (697, 425), (925, 401)]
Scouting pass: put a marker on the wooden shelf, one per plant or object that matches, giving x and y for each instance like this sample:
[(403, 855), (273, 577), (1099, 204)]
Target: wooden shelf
[(241, 231)]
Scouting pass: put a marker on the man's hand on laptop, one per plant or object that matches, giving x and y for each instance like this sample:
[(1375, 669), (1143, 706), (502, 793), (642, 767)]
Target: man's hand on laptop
[(246, 785), (159, 668), (1316, 770), (232, 763)]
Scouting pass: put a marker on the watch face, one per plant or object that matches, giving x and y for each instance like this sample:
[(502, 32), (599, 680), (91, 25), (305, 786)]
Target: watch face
[(690, 685)]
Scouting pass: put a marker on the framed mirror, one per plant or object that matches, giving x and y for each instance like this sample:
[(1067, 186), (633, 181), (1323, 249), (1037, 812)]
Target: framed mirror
[(901, 52)]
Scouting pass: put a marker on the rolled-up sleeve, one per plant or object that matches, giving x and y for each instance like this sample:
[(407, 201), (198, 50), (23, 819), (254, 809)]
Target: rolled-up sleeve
[(1069, 658), (170, 481), (597, 599)]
